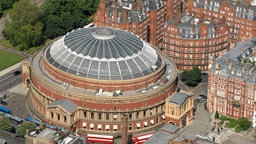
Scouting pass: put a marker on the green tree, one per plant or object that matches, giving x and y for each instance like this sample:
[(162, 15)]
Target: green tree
[(216, 116), (191, 77), (244, 123), (24, 127), (24, 30), (61, 16), (5, 5), (6, 124)]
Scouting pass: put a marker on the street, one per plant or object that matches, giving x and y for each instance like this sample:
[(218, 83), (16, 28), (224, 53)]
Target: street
[(9, 80), (14, 99)]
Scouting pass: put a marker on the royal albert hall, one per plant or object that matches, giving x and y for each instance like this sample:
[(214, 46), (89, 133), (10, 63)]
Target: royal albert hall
[(86, 80)]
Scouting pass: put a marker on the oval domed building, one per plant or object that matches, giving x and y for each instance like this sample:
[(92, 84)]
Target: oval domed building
[(86, 80)]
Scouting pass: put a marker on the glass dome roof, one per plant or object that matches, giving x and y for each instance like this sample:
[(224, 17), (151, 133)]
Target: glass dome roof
[(103, 53)]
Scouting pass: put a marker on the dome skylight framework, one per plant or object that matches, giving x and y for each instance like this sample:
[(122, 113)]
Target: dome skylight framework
[(104, 53)]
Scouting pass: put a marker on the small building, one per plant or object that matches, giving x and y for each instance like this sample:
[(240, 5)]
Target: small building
[(47, 136), (171, 134), (179, 108)]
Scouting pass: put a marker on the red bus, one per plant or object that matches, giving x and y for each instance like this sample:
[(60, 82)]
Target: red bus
[(103, 139), (142, 138)]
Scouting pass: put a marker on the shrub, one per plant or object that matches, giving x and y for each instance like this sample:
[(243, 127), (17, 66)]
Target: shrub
[(238, 129), (244, 123), (232, 123)]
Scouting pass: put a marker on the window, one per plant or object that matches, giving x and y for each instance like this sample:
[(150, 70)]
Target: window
[(151, 111), (65, 119), (172, 111), (107, 116), (137, 114), (130, 115), (58, 116), (99, 116), (84, 115), (130, 126), (92, 115), (115, 127), (144, 113), (115, 116), (52, 115)]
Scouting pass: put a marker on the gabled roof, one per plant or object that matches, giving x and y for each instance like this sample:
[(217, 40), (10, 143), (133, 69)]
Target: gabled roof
[(66, 104)]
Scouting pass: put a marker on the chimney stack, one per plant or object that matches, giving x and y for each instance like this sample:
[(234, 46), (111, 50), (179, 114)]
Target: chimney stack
[(124, 129), (251, 70), (230, 66), (217, 66), (244, 69)]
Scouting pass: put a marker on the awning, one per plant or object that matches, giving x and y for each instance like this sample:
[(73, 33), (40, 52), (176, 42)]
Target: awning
[(163, 117), (138, 124), (99, 126), (115, 116), (145, 123), (84, 124), (115, 126), (152, 121), (91, 125), (107, 126)]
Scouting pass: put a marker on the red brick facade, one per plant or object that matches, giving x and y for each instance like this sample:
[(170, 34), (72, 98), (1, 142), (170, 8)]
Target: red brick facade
[(241, 27), (150, 28), (196, 50)]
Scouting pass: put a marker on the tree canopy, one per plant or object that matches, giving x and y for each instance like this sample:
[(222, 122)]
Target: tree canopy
[(30, 25), (24, 30), (6, 124), (5, 5), (61, 16), (191, 77), (24, 127)]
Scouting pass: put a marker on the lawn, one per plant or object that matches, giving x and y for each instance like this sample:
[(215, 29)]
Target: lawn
[(8, 59)]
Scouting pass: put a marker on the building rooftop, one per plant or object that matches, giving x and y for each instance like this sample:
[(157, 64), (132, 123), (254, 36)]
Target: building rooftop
[(169, 133), (104, 53), (165, 134), (237, 62), (170, 75), (189, 26), (178, 98), (47, 134), (66, 104)]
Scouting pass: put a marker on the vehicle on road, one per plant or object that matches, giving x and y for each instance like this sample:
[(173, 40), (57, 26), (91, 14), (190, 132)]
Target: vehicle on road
[(4, 103), (4, 109), (16, 73)]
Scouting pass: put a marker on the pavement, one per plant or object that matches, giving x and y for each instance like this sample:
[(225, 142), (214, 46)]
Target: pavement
[(201, 123), (17, 101), (11, 68)]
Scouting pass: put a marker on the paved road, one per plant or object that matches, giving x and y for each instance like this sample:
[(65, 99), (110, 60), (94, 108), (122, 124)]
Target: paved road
[(11, 140), (9, 80)]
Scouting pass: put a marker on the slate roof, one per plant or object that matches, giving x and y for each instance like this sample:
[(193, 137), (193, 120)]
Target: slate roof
[(47, 134), (165, 134), (179, 98), (66, 104), (243, 50)]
